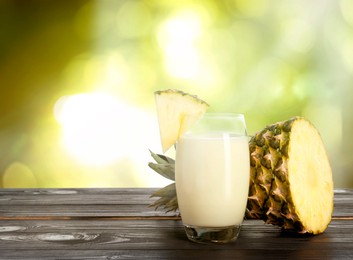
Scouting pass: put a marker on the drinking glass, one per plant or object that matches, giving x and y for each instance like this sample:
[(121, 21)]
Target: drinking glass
[(212, 178)]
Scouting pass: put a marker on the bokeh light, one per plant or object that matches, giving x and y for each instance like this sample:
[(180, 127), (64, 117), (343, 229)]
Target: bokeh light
[(19, 175), (93, 127), (178, 38)]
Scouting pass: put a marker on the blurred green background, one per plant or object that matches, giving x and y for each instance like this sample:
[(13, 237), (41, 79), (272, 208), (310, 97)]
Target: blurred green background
[(77, 80)]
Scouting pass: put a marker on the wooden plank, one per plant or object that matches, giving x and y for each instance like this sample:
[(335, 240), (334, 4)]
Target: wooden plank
[(343, 205), (163, 239), (78, 203), (106, 202), (114, 196), (80, 211), (76, 196), (203, 253), (151, 234)]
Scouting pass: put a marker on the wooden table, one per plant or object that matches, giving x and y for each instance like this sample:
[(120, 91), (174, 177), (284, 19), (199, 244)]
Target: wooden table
[(117, 224)]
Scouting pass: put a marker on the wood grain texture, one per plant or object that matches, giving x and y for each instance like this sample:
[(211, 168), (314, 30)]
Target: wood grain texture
[(106, 202), (133, 239), (78, 203), (117, 224)]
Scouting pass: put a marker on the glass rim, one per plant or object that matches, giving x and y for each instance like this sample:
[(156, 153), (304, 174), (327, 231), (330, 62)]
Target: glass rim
[(219, 122)]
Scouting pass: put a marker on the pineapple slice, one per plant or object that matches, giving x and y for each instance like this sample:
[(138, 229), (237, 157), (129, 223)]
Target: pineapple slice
[(291, 179), (176, 111)]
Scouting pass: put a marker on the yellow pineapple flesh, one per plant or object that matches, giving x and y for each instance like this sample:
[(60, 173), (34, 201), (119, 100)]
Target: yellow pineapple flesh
[(176, 111)]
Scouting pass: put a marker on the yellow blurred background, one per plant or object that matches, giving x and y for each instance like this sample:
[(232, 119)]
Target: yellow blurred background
[(77, 80)]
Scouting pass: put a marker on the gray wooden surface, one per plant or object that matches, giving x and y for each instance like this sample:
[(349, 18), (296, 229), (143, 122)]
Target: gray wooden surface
[(118, 224)]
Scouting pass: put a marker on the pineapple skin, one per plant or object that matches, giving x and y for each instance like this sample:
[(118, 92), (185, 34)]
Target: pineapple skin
[(270, 195)]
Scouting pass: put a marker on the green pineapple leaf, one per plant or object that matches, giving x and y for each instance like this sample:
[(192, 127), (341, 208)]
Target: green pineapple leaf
[(165, 166), (168, 198)]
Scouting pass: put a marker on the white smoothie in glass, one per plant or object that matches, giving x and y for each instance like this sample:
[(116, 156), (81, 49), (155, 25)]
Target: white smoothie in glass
[(212, 179)]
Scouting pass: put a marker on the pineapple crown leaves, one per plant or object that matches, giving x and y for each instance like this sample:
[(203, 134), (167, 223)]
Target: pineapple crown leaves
[(164, 166), (168, 198)]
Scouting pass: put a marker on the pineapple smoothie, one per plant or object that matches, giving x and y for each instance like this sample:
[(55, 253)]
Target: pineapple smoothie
[(212, 179)]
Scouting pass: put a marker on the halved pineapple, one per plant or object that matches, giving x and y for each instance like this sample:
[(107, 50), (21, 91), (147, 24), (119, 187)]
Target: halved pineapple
[(176, 111), (291, 179)]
